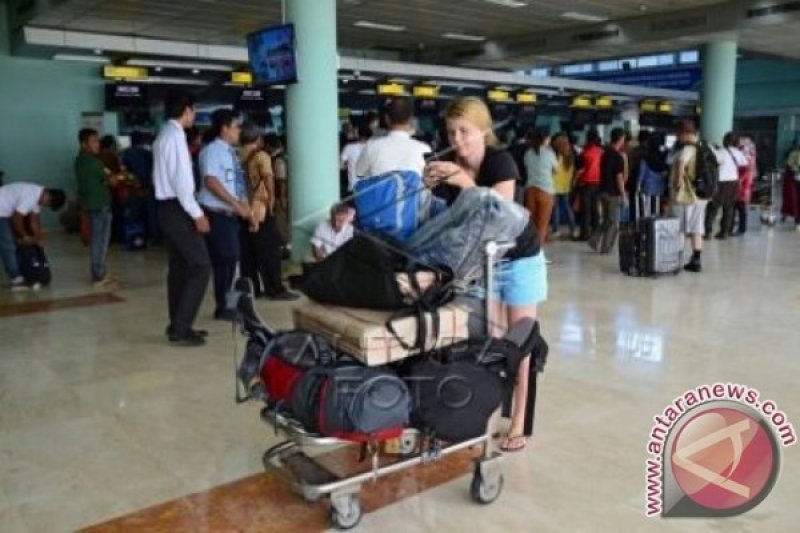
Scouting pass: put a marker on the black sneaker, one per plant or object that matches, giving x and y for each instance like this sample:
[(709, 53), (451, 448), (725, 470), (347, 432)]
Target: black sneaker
[(693, 267), (225, 316), (188, 340), (198, 332), (285, 296)]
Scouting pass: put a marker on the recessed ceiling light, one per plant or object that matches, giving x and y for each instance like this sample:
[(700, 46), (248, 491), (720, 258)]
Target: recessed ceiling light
[(508, 3), (159, 69), (463, 37), (78, 57), (188, 65), (98, 52), (583, 17), (378, 26), (195, 71)]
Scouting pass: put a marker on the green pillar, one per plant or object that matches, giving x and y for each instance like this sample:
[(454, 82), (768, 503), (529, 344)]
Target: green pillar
[(312, 120), (719, 88)]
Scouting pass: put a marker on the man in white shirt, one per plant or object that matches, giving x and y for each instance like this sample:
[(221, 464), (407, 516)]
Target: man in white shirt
[(182, 221), (395, 151), (730, 159), (20, 204), (351, 153), (332, 232)]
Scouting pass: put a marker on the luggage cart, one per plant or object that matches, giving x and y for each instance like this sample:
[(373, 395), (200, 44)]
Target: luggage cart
[(290, 458), (771, 202)]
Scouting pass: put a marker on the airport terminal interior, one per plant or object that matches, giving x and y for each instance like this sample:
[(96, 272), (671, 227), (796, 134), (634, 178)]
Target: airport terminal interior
[(179, 309)]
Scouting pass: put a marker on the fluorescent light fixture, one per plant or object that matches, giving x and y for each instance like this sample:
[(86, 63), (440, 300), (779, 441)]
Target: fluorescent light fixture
[(507, 3), (378, 26), (367, 91), (78, 57), (455, 83), (360, 77), (173, 81), (141, 62), (464, 37), (583, 17)]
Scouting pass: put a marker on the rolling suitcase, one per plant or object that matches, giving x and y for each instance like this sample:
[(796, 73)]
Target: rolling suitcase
[(651, 246)]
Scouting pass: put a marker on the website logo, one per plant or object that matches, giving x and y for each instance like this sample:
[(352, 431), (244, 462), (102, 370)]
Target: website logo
[(715, 452)]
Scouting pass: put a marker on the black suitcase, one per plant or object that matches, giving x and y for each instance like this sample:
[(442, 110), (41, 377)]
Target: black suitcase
[(651, 246), (33, 264)]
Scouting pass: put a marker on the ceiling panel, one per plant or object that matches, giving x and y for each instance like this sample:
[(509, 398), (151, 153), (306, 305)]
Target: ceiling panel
[(229, 21)]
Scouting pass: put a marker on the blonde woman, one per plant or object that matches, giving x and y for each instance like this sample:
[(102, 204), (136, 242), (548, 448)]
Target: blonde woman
[(477, 161)]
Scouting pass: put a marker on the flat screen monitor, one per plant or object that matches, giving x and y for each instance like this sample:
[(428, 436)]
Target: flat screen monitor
[(581, 118), (272, 55), (125, 96), (427, 107), (526, 115), (501, 112), (251, 99), (604, 117), (649, 120)]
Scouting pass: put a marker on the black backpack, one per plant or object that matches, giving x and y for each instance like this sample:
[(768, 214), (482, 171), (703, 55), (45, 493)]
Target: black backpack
[(362, 274), (706, 173), (457, 389), (33, 264)]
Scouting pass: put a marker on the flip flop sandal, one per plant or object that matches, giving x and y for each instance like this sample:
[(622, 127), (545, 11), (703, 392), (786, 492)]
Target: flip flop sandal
[(511, 444)]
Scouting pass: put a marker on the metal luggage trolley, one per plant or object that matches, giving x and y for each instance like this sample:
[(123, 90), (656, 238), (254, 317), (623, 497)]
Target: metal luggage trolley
[(312, 481), (771, 205)]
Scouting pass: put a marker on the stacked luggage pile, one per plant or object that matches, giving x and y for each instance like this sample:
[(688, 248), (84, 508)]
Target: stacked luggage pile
[(391, 353)]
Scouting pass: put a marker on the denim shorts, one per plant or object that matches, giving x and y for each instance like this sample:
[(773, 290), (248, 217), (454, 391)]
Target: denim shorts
[(519, 283)]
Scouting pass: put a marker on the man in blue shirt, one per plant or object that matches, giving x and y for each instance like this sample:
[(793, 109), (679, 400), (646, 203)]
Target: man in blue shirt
[(223, 197)]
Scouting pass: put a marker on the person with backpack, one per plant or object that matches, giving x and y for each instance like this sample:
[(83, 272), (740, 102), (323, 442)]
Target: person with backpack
[(20, 201), (478, 161), (261, 241), (731, 163), (563, 179), (694, 178)]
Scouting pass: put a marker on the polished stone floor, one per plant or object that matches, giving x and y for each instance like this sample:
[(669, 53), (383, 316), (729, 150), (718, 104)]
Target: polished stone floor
[(99, 417)]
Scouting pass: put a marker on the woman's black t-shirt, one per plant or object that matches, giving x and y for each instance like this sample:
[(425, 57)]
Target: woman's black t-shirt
[(497, 166)]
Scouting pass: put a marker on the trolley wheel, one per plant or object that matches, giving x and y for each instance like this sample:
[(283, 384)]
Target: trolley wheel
[(346, 512), (485, 491)]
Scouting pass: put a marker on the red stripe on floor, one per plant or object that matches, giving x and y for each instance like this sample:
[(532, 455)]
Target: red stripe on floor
[(58, 304), (266, 502)]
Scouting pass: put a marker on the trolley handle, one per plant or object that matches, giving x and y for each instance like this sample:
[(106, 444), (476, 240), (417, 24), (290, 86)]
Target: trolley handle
[(492, 250)]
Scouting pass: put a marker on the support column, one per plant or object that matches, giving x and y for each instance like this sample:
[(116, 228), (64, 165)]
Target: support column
[(719, 89), (312, 120)]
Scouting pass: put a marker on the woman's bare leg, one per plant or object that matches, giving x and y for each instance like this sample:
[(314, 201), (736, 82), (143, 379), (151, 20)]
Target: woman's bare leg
[(516, 439)]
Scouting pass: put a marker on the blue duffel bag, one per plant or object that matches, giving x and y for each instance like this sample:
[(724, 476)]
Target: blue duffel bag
[(394, 204)]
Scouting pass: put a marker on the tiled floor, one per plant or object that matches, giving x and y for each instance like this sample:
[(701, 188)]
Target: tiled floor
[(99, 417)]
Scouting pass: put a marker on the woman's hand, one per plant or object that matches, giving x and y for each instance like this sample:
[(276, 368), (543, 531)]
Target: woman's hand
[(438, 172)]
